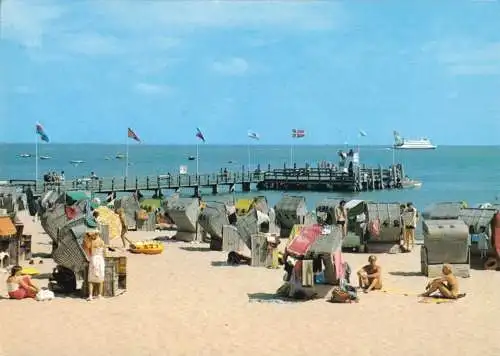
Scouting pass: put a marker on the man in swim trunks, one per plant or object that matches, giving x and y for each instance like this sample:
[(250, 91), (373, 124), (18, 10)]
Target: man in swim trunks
[(341, 217), (370, 275), (447, 285)]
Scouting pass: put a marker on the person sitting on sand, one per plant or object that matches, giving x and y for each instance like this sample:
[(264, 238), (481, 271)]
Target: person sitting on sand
[(370, 275), (19, 286), (447, 285)]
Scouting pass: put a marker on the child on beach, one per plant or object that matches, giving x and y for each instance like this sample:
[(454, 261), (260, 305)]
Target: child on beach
[(123, 220), (19, 286), (93, 245), (370, 275)]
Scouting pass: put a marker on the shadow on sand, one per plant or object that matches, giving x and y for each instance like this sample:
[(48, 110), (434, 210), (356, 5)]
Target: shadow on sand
[(42, 276), (407, 274), (196, 249), (41, 255)]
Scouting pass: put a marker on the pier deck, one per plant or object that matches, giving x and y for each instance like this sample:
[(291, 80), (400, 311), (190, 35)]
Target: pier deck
[(304, 179)]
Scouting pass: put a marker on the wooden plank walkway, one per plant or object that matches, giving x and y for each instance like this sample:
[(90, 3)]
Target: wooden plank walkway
[(304, 179)]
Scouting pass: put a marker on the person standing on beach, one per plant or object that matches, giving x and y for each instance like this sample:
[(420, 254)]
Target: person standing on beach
[(123, 221), (410, 217), (93, 246), (341, 217)]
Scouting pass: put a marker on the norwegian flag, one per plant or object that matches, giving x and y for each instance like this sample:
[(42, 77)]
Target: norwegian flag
[(199, 134), (298, 133), (132, 135)]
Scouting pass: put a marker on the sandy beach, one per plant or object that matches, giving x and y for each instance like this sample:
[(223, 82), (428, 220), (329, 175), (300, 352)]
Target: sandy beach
[(187, 302)]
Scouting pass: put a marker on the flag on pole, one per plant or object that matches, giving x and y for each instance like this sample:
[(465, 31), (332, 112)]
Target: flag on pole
[(253, 135), (41, 132), (298, 133), (131, 134), (199, 134)]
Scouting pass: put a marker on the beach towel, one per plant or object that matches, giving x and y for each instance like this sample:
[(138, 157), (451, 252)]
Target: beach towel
[(439, 300), (339, 264), (302, 242)]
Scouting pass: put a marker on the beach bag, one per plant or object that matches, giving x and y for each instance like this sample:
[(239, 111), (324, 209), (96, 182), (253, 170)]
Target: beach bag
[(340, 296), (44, 294)]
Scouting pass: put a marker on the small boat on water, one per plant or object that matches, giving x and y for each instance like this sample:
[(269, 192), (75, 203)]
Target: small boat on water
[(191, 158), (25, 155), (410, 183), (120, 156), (45, 157), (76, 161)]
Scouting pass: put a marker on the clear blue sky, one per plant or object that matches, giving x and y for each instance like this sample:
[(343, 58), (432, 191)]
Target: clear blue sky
[(88, 69)]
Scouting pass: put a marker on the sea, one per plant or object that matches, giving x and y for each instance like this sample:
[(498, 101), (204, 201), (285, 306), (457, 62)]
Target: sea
[(449, 173)]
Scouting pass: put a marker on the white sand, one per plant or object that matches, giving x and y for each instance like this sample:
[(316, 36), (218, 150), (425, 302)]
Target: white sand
[(178, 303)]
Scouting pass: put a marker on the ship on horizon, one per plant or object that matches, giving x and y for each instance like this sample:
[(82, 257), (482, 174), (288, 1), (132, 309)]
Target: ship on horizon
[(401, 143)]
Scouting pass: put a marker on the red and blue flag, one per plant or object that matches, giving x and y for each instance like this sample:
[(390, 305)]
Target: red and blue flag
[(41, 132)]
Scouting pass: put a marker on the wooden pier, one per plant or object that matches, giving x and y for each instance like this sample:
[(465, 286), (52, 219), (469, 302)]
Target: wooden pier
[(285, 179)]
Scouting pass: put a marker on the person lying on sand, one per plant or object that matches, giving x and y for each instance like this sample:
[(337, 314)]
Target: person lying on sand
[(20, 286), (370, 276), (447, 285)]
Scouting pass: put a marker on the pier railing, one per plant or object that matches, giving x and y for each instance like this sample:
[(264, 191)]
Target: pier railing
[(127, 184), (358, 179)]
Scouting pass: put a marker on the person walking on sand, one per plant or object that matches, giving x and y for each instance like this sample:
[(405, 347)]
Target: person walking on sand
[(410, 217), (341, 217), (447, 285), (93, 246), (370, 275), (123, 221)]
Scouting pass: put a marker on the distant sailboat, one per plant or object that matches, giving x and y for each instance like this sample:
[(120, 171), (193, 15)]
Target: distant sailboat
[(25, 155), (120, 156), (191, 158), (45, 157)]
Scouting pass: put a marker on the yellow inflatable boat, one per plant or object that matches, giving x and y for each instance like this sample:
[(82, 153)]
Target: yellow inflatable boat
[(147, 247)]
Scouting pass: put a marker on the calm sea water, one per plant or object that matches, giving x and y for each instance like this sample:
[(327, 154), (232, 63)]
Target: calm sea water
[(448, 173)]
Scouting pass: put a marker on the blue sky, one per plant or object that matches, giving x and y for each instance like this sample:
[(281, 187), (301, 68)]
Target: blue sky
[(89, 69)]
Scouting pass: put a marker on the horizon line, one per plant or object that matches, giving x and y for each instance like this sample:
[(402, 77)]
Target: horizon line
[(235, 144)]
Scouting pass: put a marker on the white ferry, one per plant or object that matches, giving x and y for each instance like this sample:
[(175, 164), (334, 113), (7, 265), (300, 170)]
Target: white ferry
[(405, 144)]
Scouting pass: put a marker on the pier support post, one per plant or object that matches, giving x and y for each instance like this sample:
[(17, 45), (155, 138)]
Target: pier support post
[(215, 189), (196, 191), (245, 186)]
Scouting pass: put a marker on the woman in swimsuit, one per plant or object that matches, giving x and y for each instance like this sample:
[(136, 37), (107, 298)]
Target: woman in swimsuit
[(19, 286), (341, 217)]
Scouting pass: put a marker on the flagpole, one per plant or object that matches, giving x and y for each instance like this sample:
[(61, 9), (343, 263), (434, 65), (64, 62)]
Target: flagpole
[(126, 160), (291, 155), (248, 152), (36, 158), (197, 160)]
